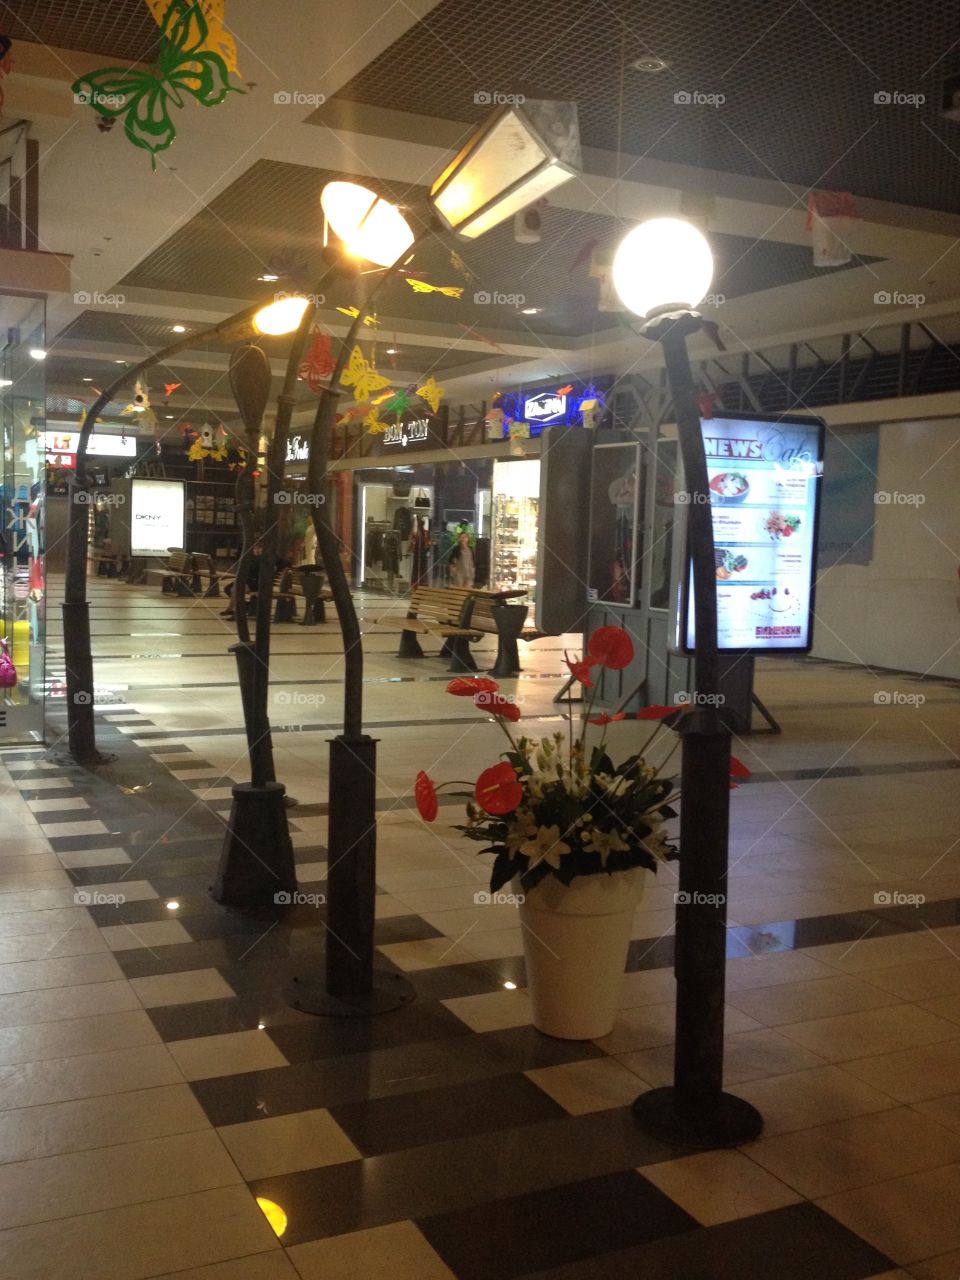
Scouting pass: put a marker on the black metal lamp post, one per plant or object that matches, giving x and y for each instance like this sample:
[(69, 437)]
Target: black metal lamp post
[(662, 271)]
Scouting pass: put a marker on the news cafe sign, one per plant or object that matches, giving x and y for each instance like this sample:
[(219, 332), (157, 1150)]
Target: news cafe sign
[(411, 432)]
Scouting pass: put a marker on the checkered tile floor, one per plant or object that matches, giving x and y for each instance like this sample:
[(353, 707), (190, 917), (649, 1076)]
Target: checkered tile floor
[(166, 1113)]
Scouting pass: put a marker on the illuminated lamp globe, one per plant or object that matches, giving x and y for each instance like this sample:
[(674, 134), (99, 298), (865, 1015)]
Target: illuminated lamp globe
[(281, 316), (664, 264), (370, 228)]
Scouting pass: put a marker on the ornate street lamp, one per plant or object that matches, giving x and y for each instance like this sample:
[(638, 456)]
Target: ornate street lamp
[(662, 271)]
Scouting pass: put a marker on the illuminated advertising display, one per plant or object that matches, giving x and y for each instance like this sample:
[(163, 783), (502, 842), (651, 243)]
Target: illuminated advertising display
[(156, 516)]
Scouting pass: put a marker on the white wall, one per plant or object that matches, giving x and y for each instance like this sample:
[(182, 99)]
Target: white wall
[(903, 609)]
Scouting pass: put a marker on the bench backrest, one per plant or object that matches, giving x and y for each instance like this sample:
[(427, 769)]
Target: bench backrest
[(179, 562), (439, 604)]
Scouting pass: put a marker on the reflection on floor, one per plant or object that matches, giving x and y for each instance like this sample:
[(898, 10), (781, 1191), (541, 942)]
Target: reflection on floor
[(164, 1112)]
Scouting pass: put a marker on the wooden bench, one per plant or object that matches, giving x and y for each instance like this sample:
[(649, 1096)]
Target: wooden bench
[(437, 611), (177, 576), (286, 591), (494, 615)]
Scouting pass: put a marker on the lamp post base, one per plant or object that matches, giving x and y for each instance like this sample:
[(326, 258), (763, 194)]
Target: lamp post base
[(726, 1122), (257, 871), (389, 991)]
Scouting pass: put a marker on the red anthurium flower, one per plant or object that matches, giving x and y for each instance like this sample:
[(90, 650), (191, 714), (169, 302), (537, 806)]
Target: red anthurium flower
[(468, 686), (602, 718), (498, 704), (738, 769), (579, 668), (656, 712), (498, 790), (610, 647), (426, 797)]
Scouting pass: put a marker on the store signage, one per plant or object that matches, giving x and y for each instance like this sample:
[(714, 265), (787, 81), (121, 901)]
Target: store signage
[(546, 409), (404, 433), (410, 432), (298, 448), (764, 478), (61, 446), (156, 516)]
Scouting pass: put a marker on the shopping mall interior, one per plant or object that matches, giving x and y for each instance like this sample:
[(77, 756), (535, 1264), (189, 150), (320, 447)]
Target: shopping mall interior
[(480, 665)]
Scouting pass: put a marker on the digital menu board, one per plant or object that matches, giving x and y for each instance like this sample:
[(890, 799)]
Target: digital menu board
[(764, 476)]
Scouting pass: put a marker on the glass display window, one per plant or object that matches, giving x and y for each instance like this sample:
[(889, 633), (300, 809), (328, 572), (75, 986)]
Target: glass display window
[(23, 534), (516, 524), (615, 551)]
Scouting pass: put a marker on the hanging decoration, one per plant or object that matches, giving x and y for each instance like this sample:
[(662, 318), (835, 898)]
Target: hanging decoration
[(140, 403), (830, 217), (219, 41), (565, 391), (353, 312), (210, 443), (399, 402), (471, 331), (373, 422), (386, 396), (169, 388), (362, 376), (142, 97), (706, 403), (431, 393), (319, 362), (421, 286)]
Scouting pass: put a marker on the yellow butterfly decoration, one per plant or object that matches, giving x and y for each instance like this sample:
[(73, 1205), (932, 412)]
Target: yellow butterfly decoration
[(362, 376), (372, 422), (353, 312), (421, 286), (431, 393), (218, 40)]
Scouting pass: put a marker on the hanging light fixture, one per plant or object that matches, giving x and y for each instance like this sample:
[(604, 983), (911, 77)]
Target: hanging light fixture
[(519, 154), (369, 226)]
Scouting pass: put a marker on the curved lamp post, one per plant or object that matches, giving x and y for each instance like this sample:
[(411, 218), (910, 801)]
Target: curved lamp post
[(662, 271), (78, 658)]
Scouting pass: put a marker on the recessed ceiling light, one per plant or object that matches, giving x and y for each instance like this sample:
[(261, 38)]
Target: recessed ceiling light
[(393, 351), (88, 379), (650, 63), (173, 905), (510, 986), (37, 353), (268, 277), (179, 328), (531, 311), (119, 362), (169, 415)]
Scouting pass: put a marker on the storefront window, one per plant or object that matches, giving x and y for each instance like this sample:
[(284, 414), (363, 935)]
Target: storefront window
[(516, 503), (22, 539)]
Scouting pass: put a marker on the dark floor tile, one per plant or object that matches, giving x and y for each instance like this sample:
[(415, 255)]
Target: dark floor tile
[(447, 982), (330, 1037), (800, 1242), (217, 1017), (403, 929), (556, 1226), (440, 1115), (448, 1176), (381, 1073)]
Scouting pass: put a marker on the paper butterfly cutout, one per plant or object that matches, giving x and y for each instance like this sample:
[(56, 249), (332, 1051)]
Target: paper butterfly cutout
[(142, 96), (386, 396), (431, 393), (353, 312), (170, 387), (218, 41), (399, 402), (421, 286), (373, 424), (318, 363), (565, 391), (362, 377)]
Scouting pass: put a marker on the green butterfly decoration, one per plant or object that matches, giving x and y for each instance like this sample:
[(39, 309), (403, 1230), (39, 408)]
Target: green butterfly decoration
[(398, 403), (143, 97)]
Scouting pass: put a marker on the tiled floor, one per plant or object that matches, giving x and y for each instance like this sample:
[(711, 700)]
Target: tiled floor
[(156, 1083)]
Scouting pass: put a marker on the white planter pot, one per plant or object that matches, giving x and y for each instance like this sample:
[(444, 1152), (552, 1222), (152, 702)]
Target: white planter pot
[(575, 941)]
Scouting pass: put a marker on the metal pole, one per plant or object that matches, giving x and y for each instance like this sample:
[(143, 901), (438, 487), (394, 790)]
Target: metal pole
[(695, 1111)]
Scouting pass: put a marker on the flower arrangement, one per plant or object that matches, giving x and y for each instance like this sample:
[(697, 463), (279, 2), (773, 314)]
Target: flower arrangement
[(553, 806)]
